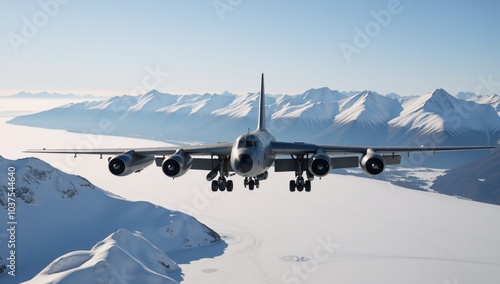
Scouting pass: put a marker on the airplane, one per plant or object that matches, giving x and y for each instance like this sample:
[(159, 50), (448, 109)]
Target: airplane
[(252, 154)]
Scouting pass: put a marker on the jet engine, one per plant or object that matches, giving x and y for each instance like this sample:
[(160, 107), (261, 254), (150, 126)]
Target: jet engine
[(320, 164), (177, 164), (372, 164), (128, 162)]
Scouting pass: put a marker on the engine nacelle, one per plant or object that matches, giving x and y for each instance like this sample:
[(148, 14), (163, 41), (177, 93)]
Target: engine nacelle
[(320, 164), (372, 164), (128, 162), (177, 164)]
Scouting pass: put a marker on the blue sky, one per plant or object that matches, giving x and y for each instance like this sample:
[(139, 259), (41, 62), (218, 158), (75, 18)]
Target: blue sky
[(188, 46)]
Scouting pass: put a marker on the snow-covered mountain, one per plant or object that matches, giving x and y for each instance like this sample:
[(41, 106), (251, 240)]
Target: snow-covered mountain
[(303, 116), (491, 99), (123, 256), (60, 216), (465, 95), (362, 120), (441, 119), (318, 116), (478, 180), (207, 117)]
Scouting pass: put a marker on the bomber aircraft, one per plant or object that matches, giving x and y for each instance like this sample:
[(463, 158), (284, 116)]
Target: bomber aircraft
[(252, 154)]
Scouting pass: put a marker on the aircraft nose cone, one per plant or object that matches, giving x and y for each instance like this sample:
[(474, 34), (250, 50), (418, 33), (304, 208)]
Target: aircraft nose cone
[(243, 163)]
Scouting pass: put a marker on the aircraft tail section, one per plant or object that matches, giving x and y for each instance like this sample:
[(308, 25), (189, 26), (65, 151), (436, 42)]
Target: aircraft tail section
[(262, 107)]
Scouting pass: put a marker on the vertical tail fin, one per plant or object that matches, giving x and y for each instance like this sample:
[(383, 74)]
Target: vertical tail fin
[(262, 107)]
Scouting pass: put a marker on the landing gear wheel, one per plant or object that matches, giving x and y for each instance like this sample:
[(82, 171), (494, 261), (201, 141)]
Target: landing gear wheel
[(215, 185), (251, 184), (222, 184), (308, 186), (300, 187), (229, 185), (292, 186)]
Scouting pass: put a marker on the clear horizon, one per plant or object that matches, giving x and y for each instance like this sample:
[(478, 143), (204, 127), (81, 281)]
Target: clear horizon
[(184, 47)]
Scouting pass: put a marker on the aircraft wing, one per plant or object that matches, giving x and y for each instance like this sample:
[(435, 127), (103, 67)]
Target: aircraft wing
[(286, 148), (373, 155), (209, 149)]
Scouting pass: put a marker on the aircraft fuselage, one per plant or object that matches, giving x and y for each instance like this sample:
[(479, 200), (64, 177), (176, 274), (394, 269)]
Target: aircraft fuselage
[(252, 153)]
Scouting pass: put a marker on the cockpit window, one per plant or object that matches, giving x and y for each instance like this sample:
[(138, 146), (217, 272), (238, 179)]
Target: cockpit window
[(249, 144), (241, 144)]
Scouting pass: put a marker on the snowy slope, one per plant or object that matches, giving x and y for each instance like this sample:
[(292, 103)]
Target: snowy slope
[(465, 95), (447, 120), (478, 180), (300, 117), (150, 101), (368, 108), (122, 257), (241, 106), (67, 213), (362, 120), (313, 96), (492, 100), (114, 104)]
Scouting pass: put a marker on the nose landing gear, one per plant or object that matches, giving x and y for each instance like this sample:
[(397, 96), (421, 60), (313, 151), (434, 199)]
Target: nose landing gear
[(251, 182), (254, 182)]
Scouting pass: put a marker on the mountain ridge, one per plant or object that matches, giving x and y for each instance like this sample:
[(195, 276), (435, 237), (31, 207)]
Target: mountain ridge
[(478, 180), (317, 116)]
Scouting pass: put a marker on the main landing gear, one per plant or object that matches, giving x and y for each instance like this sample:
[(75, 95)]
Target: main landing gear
[(221, 184), (300, 184)]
